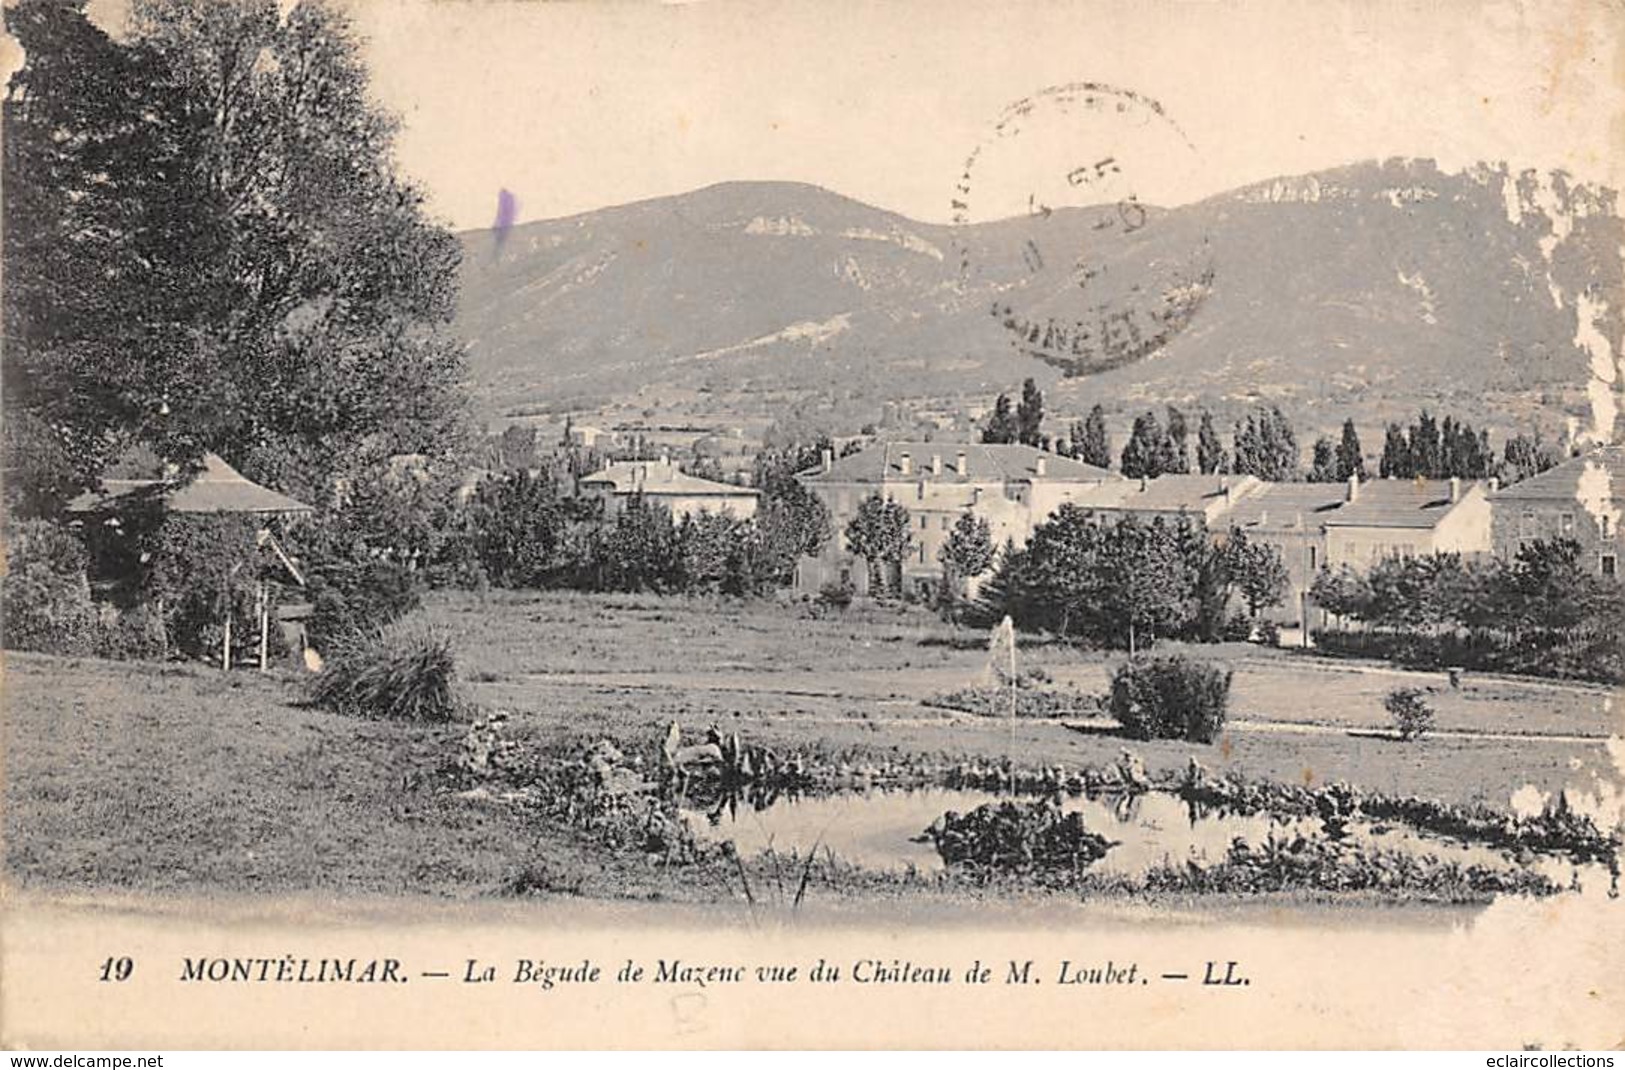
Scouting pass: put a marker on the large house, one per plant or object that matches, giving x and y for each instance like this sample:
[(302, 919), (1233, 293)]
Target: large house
[(1012, 487), (1205, 499), (1407, 518), (1291, 518), (1580, 499), (663, 483)]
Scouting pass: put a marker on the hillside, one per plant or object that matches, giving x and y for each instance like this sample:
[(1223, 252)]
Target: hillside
[(1371, 287)]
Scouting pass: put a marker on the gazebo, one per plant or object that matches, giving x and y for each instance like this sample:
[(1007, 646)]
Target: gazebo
[(218, 489)]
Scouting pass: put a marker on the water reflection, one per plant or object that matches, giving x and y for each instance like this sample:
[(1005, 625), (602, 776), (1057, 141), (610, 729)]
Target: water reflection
[(882, 829)]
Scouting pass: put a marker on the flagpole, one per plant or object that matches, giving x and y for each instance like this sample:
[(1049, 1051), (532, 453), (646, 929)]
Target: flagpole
[(1010, 751)]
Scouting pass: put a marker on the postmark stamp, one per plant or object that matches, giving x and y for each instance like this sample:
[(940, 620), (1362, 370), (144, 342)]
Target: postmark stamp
[(1061, 227)]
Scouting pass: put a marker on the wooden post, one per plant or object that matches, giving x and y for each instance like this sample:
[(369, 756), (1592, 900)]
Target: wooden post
[(225, 645), (265, 625)]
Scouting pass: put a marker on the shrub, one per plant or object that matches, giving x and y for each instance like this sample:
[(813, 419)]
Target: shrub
[(1170, 698), (1034, 838), (46, 595), (132, 635), (398, 673), (1046, 703), (358, 596), (836, 594), (1413, 717)]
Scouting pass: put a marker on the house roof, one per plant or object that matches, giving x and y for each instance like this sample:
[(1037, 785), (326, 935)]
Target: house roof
[(1398, 503), (1205, 494), (984, 463), (1600, 468), (660, 477), (1280, 505), (219, 488)]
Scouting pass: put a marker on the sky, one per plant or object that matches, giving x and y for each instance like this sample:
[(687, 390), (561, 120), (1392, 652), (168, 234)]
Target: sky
[(572, 106), (575, 106)]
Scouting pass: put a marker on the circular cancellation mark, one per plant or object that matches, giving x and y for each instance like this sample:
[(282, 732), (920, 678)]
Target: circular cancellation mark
[(1060, 226)]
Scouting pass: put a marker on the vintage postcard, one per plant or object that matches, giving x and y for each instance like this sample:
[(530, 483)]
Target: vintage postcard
[(813, 524)]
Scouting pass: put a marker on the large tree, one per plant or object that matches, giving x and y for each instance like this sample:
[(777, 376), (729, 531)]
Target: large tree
[(1093, 446), (1257, 571), (265, 286), (1265, 446), (1323, 466), (1350, 457), (106, 219), (1002, 427), (1210, 457), (1149, 451), (1179, 454), (879, 533), (1030, 414)]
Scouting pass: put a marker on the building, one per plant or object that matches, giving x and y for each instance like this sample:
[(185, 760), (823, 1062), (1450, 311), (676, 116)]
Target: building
[(1291, 518), (218, 490), (1407, 518), (663, 483), (589, 437), (1206, 499), (1012, 487), (1580, 499)]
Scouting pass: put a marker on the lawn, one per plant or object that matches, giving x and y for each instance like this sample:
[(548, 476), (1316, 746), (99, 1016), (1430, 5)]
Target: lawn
[(180, 779)]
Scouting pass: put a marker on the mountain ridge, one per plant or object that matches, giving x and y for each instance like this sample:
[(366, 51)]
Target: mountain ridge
[(1368, 279)]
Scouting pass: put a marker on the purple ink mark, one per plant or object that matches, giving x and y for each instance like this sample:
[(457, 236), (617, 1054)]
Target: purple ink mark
[(507, 216)]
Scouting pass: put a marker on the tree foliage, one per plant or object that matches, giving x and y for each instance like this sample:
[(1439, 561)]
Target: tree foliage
[(1117, 582), (1542, 612), (1431, 450), (1256, 570), (1093, 446), (1350, 455), (1266, 447), (1210, 455), (1002, 426), (1030, 414), (880, 534), (216, 252)]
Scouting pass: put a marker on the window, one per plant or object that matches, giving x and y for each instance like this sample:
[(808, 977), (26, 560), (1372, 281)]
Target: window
[(1312, 555), (922, 553), (1526, 523), (1565, 524), (1610, 565), (1607, 525), (923, 521), (945, 522)]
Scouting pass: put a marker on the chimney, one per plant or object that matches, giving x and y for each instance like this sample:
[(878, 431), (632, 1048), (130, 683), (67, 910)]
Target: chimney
[(827, 458), (905, 464), (1354, 487), (1495, 484), (962, 464), (1455, 489), (1041, 466), (936, 464)]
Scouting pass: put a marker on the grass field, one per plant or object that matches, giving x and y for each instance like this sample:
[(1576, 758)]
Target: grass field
[(180, 779)]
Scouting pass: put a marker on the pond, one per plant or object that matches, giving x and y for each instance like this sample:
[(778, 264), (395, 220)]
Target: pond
[(882, 830)]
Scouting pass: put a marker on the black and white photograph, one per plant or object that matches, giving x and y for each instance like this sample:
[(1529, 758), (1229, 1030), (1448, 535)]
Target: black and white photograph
[(757, 524)]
